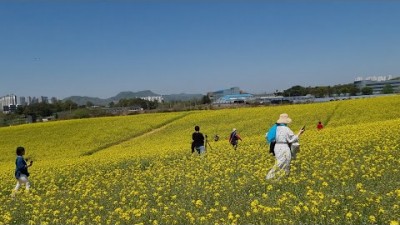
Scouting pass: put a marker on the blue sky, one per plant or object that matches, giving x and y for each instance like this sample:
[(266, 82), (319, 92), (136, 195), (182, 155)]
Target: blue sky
[(100, 48)]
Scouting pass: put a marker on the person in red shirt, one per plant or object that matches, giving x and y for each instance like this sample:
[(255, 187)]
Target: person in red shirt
[(320, 126), (233, 138)]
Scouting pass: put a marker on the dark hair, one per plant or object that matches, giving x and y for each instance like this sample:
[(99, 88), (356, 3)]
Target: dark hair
[(20, 150), (196, 128)]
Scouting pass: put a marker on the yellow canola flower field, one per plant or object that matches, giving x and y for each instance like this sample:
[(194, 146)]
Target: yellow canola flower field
[(346, 173), (64, 140)]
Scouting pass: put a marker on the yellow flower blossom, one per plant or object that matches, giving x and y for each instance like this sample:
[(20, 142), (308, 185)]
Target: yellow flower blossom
[(138, 169)]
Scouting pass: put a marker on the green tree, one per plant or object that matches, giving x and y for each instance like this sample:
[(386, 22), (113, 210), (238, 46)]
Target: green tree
[(58, 106), (39, 109), (69, 105), (151, 104), (388, 89), (89, 104), (81, 113), (318, 92), (137, 102), (366, 91), (295, 91), (353, 90), (206, 100)]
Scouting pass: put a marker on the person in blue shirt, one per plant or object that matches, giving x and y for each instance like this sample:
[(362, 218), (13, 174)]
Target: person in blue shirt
[(21, 170)]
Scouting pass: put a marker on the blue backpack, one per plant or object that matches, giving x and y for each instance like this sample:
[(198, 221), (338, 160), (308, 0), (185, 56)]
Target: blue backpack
[(271, 134)]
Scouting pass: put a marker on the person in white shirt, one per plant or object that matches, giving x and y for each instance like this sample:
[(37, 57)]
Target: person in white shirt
[(284, 137)]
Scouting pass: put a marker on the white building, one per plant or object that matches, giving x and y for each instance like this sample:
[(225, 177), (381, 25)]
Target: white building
[(378, 83), (153, 98), (7, 102)]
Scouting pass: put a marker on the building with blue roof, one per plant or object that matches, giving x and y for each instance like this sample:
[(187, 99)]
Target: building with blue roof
[(218, 94), (229, 96), (235, 98)]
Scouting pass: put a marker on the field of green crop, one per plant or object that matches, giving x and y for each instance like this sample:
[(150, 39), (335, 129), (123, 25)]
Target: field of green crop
[(139, 169)]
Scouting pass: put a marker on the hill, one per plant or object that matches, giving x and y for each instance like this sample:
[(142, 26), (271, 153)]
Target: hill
[(130, 94), (82, 100)]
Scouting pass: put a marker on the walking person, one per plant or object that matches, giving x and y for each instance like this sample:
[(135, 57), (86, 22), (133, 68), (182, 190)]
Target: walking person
[(234, 138), (284, 137), (21, 170), (198, 141)]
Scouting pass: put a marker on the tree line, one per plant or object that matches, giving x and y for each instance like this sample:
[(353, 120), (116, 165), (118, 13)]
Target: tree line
[(329, 91), (70, 110)]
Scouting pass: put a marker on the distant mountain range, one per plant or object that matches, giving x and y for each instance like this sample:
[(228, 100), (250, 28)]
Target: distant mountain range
[(82, 100)]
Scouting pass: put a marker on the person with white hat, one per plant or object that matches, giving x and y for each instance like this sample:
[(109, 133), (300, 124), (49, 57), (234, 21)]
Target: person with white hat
[(234, 138), (284, 137)]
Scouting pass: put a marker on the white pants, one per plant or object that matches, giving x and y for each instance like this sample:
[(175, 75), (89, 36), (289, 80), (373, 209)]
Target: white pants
[(200, 149), (282, 165), (23, 179)]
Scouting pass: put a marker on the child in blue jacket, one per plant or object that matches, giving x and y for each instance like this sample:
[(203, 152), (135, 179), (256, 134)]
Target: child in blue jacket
[(21, 170)]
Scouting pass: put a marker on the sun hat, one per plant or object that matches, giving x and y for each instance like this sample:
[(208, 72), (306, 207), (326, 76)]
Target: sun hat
[(234, 129), (284, 118)]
